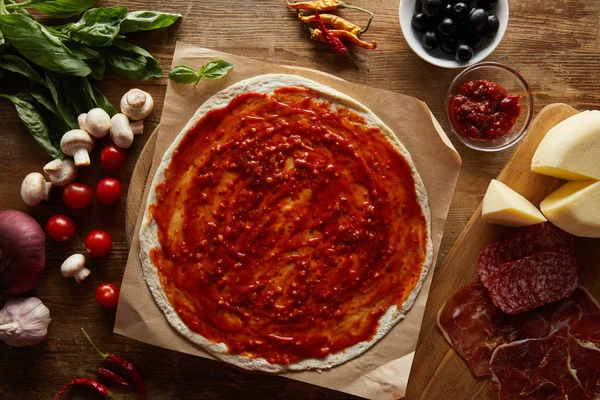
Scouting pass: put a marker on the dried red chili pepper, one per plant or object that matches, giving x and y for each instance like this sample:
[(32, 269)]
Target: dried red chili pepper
[(344, 36), (96, 386), (126, 365), (113, 377), (326, 5), (329, 38)]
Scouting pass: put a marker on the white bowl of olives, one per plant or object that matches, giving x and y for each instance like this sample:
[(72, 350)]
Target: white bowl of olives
[(453, 33)]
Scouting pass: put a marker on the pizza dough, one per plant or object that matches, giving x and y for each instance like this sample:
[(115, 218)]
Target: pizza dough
[(160, 272)]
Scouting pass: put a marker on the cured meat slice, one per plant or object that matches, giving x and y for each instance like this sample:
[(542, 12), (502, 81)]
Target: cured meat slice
[(587, 328), (474, 326), (585, 361), (540, 278), (534, 369), (526, 241)]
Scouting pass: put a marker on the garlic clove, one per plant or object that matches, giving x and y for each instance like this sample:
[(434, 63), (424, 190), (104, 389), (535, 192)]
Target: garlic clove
[(24, 321)]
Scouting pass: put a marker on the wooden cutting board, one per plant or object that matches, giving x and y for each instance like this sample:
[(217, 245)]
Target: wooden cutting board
[(438, 372)]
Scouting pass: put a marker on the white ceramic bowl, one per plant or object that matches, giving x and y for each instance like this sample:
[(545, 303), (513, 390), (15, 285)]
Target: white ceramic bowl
[(438, 57)]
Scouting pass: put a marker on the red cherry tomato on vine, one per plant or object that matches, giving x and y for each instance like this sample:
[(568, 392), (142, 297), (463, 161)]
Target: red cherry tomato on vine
[(107, 295), (60, 228), (112, 158), (77, 195), (108, 191), (98, 243)]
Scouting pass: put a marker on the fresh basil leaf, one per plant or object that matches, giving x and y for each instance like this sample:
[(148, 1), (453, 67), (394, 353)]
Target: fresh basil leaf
[(98, 66), (147, 20), (215, 69), (97, 26), (132, 61), (183, 74), (46, 102), (60, 100), (83, 51), (60, 8), (34, 122), (40, 46), (103, 102), (16, 64)]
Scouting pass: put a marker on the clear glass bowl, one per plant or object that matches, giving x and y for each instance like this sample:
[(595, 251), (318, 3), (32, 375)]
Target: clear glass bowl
[(513, 83)]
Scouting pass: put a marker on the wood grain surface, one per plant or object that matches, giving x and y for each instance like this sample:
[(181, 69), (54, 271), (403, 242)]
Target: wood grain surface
[(554, 44), (438, 371)]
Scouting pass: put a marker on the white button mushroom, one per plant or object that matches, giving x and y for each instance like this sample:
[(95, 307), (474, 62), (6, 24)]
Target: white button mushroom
[(96, 122), (120, 131), (77, 143), (61, 172), (137, 104), (34, 189), (74, 266), (137, 127)]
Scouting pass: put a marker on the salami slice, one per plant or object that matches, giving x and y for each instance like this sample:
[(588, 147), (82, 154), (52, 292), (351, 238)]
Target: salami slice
[(474, 326), (540, 278), (534, 369), (526, 241)]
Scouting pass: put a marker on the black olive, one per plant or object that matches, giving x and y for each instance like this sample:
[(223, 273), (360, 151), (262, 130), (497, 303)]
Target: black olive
[(447, 9), (446, 27), (420, 22), (487, 4), (478, 19), (464, 53), (431, 7), (429, 40), (448, 44), (460, 10), (491, 27), (475, 41), (418, 6)]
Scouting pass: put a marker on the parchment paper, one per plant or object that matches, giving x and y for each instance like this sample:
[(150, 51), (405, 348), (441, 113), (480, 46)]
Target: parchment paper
[(380, 373)]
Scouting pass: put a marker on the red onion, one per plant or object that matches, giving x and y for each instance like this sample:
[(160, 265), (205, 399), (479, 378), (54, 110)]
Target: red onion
[(22, 252)]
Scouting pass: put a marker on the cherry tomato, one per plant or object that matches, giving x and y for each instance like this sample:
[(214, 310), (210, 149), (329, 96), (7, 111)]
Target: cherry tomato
[(60, 228), (112, 158), (77, 195), (98, 243), (107, 295), (108, 191)]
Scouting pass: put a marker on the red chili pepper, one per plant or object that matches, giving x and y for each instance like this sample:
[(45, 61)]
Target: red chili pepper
[(113, 377), (333, 42), (126, 365), (97, 386)]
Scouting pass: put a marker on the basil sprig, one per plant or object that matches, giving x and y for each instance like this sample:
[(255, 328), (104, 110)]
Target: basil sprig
[(56, 61), (212, 70)]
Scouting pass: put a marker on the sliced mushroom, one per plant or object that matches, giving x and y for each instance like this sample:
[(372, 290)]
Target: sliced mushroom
[(74, 266), (96, 122), (120, 131), (78, 144), (137, 104), (61, 172), (137, 127), (34, 189)]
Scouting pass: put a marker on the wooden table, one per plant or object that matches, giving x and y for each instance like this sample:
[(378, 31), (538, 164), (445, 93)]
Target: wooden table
[(554, 44)]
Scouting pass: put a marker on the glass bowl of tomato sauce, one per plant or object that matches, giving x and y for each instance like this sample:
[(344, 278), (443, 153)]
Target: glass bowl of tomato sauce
[(489, 106)]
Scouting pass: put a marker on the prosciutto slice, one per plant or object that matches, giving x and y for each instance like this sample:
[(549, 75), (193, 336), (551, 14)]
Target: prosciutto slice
[(475, 327), (541, 368)]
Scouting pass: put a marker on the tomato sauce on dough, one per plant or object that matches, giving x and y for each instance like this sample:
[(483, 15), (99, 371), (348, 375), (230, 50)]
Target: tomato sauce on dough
[(288, 227)]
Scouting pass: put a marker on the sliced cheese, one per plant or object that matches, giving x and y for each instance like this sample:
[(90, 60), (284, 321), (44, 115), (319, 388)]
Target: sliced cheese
[(575, 208), (504, 206), (571, 150)]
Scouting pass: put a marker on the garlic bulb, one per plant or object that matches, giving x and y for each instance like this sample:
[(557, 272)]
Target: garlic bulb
[(24, 321)]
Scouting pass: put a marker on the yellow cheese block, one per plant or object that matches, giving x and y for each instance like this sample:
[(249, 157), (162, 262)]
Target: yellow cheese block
[(571, 150), (504, 206), (575, 208)]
